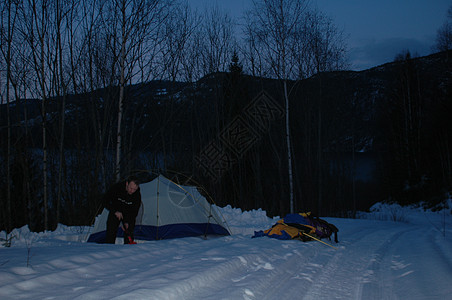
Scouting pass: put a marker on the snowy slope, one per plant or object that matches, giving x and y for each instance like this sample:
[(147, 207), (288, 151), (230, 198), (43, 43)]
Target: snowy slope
[(374, 260)]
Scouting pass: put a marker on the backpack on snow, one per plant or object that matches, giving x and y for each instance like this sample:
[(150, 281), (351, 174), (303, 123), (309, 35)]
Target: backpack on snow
[(323, 229)]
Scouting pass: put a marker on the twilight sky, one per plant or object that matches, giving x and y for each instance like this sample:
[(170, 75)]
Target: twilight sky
[(377, 30)]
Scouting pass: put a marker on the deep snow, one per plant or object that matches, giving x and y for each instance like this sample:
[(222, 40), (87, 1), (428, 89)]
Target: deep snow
[(410, 258)]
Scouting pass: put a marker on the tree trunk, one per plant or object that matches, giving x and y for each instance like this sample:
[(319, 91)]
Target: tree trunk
[(8, 155), (44, 120), (319, 151), (62, 115), (289, 149), (121, 96)]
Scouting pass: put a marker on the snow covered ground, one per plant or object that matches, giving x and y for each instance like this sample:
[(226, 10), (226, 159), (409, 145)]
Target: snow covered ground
[(376, 258)]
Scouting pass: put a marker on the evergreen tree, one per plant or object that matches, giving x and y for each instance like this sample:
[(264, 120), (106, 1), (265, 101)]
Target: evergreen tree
[(235, 67)]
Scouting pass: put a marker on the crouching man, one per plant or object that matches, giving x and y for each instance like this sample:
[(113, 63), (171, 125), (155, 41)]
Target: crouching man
[(123, 201)]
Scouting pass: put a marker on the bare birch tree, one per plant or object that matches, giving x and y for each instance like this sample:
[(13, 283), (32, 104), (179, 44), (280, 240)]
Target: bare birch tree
[(273, 25), (287, 40), (61, 12), (19, 84), (10, 9), (36, 16), (325, 51), (179, 30), (130, 24), (218, 40)]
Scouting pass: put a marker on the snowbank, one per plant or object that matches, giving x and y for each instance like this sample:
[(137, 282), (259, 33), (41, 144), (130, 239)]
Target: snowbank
[(246, 222), (413, 214)]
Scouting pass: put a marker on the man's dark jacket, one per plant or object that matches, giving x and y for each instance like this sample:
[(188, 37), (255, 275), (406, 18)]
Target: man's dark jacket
[(117, 199)]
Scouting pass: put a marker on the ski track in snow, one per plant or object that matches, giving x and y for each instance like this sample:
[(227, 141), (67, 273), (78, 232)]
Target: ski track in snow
[(374, 260)]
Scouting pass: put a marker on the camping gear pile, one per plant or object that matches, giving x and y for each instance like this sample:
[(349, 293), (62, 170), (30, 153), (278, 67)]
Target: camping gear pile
[(168, 210), (302, 226)]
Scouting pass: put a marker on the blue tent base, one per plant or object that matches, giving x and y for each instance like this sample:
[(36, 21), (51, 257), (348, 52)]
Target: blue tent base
[(152, 233)]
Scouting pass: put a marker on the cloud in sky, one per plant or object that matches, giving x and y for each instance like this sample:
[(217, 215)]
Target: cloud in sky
[(376, 52), (377, 30)]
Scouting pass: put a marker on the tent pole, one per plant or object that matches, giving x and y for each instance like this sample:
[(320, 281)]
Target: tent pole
[(318, 240), (158, 199), (208, 221)]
